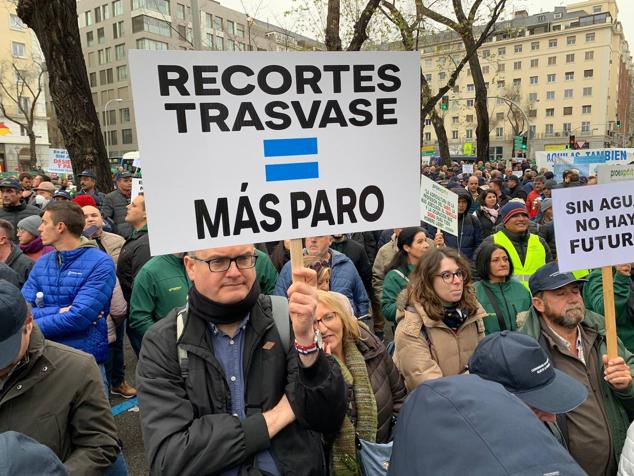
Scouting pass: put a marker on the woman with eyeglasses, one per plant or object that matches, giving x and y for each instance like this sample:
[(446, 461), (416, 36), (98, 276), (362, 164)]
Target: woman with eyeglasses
[(412, 244), (376, 390), (501, 297), (443, 319)]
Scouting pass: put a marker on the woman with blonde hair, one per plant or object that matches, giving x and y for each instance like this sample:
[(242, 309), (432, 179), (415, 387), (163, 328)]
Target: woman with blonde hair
[(443, 319), (375, 388)]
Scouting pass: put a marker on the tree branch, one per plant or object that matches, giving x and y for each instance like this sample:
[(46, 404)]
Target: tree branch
[(361, 26)]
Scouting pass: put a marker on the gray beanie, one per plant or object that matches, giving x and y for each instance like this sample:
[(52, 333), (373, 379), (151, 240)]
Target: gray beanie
[(546, 204), (31, 224)]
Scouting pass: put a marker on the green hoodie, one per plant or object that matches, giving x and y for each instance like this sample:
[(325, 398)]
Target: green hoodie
[(395, 281), (617, 403), (161, 285), (593, 298), (512, 298), (266, 273)]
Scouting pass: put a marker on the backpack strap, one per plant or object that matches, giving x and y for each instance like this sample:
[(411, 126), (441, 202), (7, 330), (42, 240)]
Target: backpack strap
[(496, 307), (183, 359), (279, 306)]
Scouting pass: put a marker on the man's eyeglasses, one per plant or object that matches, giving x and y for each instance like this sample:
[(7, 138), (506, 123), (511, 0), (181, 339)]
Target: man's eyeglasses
[(448, 276), (220, 265)]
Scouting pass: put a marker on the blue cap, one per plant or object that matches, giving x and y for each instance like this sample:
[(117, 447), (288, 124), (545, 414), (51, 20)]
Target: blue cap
[(13, 310), (520, 365), (121, 175), (62, 194), (87, 173), (548, 278), (10, 183)]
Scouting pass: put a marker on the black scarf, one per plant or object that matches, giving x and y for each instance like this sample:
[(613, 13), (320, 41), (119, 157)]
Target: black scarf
[(218, 313), (454, 317)]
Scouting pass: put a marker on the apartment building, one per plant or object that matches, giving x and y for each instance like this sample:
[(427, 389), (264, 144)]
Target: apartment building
[(20, 60), (569, 71), (109, 29)]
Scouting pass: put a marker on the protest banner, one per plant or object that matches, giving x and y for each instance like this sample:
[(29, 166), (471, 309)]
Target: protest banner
[(59, 161), (585, 160), (614, 173), (467, 168), (137, 187), (594, 225), (279, 145), (438, 206)]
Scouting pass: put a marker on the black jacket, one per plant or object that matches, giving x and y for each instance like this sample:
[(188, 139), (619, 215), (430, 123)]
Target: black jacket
[(487, 227), (187, 424), (20, 263), (14, 214), (134, 254)]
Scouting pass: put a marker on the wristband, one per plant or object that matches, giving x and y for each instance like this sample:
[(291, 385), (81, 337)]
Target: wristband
[(306, 349)]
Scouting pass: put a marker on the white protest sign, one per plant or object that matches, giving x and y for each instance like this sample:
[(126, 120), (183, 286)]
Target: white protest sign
[(59, 161), (614, 173), (275, 145), (594, 225), (584, 160), (134, 156), (438, 206), (467, 168), (137, 187)]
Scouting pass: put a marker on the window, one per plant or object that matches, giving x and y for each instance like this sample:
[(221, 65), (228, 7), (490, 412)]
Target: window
[(124, 115), (499, 132), (454, 134), (517, 65), (534, 45), (180, 11), (97, 15), (455, 119), (210, 40), (550, 95), (588, 73), (500, 84), (532, 131), (534, 79), (119, 52), (517, 82), (552, 60), (589, 55), (91, 59), (485, 69), (90, 38), (209, 20), (571, 40), (220, 43), (567, 127), (126, 136), (590, 37), (442, 75), (88, 18), (585, 126), (532, 97), (548, 129), (534, 63), (568, 93), (18, 49), (551, 78), (501, 68), (570, 58), (218, 23), (587, 91), (105, 11), (122, 73), (159, 6), (552, 43), (108, 55), (427, 136), (550, 112), (93, 80), (147, 44), (110, 76), (499, 116), (469, 118), (596, 9), (152, 25), (230, 45), (101, 57), (112, 137), (117, 8), (502, 51), (586, 109), (470, 88), (569, 76), (117, 29), (102, 77), (486, 53), (231, 27), (239, 30), (517, 48), (541, 17), (428, 77), (101, 36), (568, 111), (532, 113), (15, 23), (428, 122), (469, 102), (468, 133)]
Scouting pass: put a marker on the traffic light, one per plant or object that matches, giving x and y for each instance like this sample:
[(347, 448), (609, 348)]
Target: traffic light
[(524, 141), (444, 103), (573, 142)]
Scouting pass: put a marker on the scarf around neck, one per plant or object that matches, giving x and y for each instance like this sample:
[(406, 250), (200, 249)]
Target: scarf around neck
[(218, 313), (492, 212), (32, 246)]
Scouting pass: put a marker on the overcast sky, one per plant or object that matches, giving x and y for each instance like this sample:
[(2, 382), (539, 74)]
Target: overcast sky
[(273, 10)]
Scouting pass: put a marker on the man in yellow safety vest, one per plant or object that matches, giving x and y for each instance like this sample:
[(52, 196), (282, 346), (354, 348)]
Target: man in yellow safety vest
[(528, 251)]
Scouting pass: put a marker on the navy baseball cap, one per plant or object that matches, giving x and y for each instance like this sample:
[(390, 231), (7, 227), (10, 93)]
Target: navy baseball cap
[(122, 175), (549, 278), (13, 312), (519, 364), (10, 183), (87, 173), (62, 194)]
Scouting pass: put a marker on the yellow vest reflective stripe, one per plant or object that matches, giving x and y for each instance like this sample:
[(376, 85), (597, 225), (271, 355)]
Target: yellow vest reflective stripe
[(535, 256)]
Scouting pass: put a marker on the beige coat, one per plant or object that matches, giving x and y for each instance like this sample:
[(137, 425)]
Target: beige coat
[(113, 244), (446, 353)]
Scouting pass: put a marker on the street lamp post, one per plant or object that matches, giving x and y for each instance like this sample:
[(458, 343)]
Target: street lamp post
[(105, 111)]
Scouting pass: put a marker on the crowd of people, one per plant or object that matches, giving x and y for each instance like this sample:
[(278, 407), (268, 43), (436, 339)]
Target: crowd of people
[(402, 342)]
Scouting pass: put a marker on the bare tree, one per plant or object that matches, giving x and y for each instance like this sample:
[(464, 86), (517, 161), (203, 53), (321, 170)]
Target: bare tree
[(55, 24), (20, 91)]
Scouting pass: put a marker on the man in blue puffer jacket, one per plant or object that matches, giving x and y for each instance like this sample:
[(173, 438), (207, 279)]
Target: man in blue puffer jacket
[(344, 277), (76, 281)]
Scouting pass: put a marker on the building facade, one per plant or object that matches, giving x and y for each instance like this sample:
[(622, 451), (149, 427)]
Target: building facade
[(109, 29), (569, 71), (20, 66)]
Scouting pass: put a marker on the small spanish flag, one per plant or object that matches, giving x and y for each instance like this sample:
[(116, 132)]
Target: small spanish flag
[(4, 130)]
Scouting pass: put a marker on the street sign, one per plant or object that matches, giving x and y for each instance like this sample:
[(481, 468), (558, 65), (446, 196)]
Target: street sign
[(258, 147), (467, 148)]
